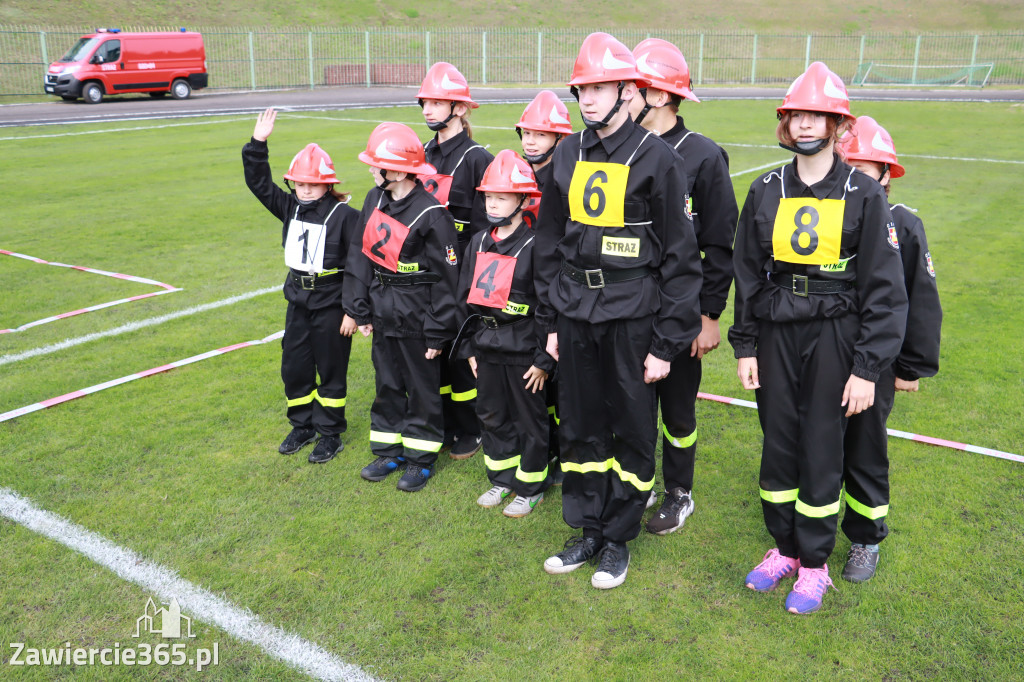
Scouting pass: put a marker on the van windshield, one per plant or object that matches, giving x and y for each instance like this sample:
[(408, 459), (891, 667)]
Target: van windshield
[(81, 50)]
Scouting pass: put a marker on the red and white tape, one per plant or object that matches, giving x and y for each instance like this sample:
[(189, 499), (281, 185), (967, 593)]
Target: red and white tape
[(42, 405), (166, 289), (940, 442)]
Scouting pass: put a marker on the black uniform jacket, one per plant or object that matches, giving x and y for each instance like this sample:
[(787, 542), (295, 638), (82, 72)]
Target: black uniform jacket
[(919, 356), (410, 311), (464, 202), (869, 254), (655, 213), (518, 338), (341, 230), (714, 210)]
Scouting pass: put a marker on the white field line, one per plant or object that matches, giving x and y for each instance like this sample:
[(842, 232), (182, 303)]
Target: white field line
[(133, 326), (773, 164), (124, 130), (166, 584)]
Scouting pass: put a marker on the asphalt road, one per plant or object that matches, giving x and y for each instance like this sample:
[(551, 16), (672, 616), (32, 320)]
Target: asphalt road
[(208, 103)]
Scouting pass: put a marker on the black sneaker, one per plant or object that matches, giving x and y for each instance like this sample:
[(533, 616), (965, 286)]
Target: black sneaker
[(578, 551), (612, 569), (414, 478), (672, 514), (861, 563), (296, 440), (326, 448), (465, 447), (378, 469)]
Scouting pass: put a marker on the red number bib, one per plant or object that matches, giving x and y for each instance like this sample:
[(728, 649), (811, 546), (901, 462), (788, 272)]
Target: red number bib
[(531, 211), (439, 185), (383, 239), (492, 280)]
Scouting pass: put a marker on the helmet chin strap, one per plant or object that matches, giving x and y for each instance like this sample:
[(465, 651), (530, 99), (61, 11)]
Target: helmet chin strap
[(807, 148), (440, 125), (603, 123), (534, 159), (384, 182), (506, 220), (647, 107)]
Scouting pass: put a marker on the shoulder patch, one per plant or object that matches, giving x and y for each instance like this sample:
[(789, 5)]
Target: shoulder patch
[(894, 241), (450, 256), (928, 263)]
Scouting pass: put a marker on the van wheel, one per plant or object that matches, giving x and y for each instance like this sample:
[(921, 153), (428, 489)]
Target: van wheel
[(157, 95), (180, 89), (92, 93)]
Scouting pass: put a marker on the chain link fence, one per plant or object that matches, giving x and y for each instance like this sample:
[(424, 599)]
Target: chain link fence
[(242, 58)]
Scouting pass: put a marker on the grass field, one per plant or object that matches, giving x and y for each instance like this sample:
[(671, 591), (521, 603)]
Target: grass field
[(182, 467)]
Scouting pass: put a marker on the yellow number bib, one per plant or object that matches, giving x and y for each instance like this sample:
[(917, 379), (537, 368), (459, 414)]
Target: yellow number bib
[(597, 193), (808, 231)]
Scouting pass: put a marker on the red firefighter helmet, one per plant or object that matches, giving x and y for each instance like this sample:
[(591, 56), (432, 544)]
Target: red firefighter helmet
[(665, 66), (818, 89), (509, 173), (312, 165), (603, 59), (396, 147), (547, 114), (868, 141), (443, 81)]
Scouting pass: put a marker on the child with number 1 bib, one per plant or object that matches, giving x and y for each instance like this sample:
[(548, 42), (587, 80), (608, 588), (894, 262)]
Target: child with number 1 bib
[(318, 227)]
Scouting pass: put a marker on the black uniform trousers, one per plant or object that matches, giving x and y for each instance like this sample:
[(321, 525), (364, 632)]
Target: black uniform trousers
[(866, 466), (677, 394), (608, 425), (515, 427), (312, 345), (458, 392), (803, 368), (406, 416)]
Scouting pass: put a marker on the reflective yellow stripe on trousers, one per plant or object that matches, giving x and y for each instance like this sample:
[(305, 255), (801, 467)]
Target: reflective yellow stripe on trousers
[(610, 464), (304, 400), (873, 513), (684, 442)]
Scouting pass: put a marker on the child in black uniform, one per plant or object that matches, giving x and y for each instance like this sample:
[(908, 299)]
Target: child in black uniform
[(496, 285), (318, 227), (869, 148), (401, 289)]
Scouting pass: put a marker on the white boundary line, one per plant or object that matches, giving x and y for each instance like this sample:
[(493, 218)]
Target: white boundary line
[(241, 624), (773, 164), (133, 326), (124, 130)]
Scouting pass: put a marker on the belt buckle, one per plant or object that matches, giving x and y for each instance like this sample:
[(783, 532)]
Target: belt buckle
[(797, 281), (490, 322), (307, 282), (590, 283)]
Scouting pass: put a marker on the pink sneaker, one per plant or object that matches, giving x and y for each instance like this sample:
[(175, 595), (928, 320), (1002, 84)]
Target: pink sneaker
[(808, 591), (767, 575)]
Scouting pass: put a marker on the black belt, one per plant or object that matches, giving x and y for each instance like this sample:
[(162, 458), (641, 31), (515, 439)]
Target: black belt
[(406, 279), (494, 323), (597, 279), (801, 285), (314, 281)]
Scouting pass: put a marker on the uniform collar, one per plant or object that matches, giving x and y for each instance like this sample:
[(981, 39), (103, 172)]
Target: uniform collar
[(395, 207), (836, 176), (451, 145), (509, 243), (612, 142), (678, 130)]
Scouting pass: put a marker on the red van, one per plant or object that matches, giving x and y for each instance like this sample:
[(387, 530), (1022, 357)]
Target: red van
[(110, 62)]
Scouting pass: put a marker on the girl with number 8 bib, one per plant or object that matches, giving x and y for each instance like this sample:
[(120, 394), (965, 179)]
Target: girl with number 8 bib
[(507, 351), (820, 313), (401, 289), (318, 227)]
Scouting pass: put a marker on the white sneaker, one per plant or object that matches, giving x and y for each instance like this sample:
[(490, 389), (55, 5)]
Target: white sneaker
[(494, 496), (652, 500), (521, 506)]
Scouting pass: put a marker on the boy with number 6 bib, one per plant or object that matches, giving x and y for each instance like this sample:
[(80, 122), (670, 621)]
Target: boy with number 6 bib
[(318, 227)]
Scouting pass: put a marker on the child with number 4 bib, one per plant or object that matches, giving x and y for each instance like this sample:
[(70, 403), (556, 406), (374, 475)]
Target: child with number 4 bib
[(507, 352), (318, 227)]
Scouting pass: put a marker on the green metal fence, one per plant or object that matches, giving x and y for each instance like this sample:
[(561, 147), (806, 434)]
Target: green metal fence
[(262, 58)]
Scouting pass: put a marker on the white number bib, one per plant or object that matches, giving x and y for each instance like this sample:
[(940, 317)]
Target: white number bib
[(304, 247)]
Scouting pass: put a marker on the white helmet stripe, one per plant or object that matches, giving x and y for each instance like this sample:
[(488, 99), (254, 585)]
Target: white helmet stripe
[(383, 153), (556, 117), (518, 177), (881, 145), (610, 62), (641, 63), (833, 90), (324, 168), (447, 83)]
